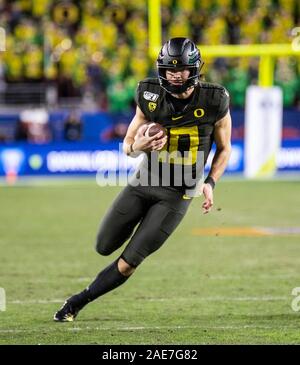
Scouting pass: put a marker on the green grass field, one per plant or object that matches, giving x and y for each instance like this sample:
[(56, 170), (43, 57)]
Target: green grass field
[(214, 289)]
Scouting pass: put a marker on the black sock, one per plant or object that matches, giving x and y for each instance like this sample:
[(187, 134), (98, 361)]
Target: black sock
[(107, 280)]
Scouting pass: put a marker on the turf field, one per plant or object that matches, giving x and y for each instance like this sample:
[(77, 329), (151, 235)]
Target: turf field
[(229, 284)]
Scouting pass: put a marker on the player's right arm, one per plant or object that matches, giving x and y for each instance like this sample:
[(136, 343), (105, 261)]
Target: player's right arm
[(135, 141)]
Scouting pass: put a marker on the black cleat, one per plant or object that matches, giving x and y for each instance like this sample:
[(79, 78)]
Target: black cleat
[(68, 311)]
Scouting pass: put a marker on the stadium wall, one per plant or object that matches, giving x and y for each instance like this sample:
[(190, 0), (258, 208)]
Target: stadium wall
[(98, 152)]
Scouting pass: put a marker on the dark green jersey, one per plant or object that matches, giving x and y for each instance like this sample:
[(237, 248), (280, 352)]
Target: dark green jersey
[(190, 130)]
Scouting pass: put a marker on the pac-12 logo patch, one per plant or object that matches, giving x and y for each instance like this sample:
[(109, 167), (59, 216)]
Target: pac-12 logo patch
[(152, 106), (150, 96)]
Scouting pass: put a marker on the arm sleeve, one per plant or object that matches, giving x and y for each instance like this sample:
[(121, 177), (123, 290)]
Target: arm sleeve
[(224, 104)]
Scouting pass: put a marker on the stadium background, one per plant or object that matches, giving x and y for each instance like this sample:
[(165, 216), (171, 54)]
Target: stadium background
[(70, 70), (68, 74)]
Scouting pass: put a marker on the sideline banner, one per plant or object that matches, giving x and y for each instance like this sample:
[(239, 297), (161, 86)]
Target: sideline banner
[(80, 158)]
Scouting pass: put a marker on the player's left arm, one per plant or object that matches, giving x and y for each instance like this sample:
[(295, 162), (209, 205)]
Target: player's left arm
[(222, 138)]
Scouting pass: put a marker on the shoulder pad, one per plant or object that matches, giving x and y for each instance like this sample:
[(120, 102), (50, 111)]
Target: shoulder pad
[(214, 92)]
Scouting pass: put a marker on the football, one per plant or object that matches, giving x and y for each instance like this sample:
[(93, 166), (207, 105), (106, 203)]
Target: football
[(154, 128)]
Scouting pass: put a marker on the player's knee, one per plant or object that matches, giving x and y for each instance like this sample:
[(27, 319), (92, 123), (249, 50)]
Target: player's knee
[(132, 258), (103, 251), (103, 247), (125, 268)]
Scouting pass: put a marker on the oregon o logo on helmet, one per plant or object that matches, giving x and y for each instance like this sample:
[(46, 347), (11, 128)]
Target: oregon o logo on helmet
[(174, 62)]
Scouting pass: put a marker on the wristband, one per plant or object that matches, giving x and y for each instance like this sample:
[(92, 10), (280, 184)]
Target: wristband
[(209, 180), (132, 152)]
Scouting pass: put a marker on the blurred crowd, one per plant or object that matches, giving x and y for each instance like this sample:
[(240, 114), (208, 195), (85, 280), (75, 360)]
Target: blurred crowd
[(99, 48)]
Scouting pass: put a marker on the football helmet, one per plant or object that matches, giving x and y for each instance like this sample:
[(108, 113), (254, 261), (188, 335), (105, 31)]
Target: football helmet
[(179, 53)]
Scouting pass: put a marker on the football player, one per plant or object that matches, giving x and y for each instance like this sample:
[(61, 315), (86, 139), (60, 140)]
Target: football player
[(195, 114)]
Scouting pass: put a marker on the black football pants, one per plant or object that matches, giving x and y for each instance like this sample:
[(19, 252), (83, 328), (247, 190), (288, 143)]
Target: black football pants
[(156, 211)]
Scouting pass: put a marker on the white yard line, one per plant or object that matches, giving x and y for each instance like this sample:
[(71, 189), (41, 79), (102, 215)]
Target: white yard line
[(203, 276), (256, 277), (266, 298), (36, 301), (144, 328)]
